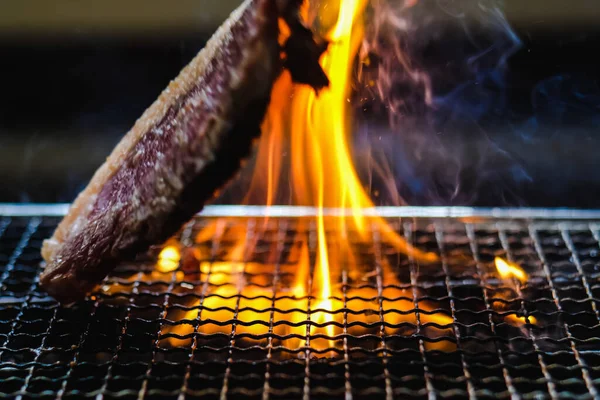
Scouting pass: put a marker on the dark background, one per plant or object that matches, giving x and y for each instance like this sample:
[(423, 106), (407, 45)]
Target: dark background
[(74, 80)]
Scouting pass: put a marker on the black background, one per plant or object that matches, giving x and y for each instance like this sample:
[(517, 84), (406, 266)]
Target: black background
[(68, 98)]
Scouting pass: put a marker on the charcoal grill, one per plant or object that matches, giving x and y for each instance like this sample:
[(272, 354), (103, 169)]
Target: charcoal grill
[(504, 338)]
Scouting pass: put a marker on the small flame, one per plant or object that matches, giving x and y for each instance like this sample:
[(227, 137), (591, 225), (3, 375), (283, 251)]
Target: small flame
[(168, 259), (508, 270), (520, 320)]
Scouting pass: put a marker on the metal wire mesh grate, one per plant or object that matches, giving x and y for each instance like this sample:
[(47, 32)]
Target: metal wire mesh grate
[(227, 324)]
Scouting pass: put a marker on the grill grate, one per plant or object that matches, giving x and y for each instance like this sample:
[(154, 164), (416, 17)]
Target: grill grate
[(222, 325)]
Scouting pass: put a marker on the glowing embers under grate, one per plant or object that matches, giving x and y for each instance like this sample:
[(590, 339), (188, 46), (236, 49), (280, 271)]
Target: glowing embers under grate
[(454, 328)]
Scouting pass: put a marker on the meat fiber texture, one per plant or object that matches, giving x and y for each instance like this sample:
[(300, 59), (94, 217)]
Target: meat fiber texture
[(188, 144)]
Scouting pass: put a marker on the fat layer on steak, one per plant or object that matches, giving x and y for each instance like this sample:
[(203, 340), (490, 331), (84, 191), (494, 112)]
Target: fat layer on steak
[(183, 148)]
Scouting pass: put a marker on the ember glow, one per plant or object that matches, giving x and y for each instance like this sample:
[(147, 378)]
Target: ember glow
[(168, 259), (283, 308)]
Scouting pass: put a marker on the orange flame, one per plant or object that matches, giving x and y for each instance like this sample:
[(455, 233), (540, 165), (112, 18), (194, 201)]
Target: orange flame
[(239, 297), (322, 175), (508, 270)]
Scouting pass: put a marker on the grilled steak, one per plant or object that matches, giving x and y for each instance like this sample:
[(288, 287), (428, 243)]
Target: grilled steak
[(184, 147)]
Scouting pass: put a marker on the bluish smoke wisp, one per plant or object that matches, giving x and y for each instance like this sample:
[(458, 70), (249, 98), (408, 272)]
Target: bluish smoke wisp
[(440, 69)]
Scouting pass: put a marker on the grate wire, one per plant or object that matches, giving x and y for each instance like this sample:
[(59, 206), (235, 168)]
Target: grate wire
[(382, 333), (281, 235), (134, 336), (584, 368), (439, 235), (414, 281), (104, 391), (8, 269), (312, 244), (75, 360), (540, 354), (470, 231), (586, 284), (203, 292)]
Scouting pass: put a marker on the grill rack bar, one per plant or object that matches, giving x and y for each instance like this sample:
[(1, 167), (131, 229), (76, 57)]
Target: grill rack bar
[(61, 209), (561, 258)]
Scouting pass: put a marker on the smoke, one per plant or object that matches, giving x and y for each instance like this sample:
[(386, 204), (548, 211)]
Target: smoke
[(559, 138), (564, 100), (431, 85), (446, 116)]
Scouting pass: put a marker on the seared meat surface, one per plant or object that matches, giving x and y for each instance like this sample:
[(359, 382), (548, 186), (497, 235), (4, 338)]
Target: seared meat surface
[(187, 145)]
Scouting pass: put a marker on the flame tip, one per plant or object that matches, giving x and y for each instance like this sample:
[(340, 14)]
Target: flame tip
[(507, 270)]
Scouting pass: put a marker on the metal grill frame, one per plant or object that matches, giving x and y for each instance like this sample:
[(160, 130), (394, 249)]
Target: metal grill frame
[(584, 374)]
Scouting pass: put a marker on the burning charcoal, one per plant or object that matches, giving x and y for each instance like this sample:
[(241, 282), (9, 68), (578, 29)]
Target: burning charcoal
[(188, 144), (302, 49)]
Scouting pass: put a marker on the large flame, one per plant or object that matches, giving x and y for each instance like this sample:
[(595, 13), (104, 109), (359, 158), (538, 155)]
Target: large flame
[(333, 290), (317, 128)]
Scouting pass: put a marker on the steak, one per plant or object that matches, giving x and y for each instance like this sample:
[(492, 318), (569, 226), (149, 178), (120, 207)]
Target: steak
[(184, 147)]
